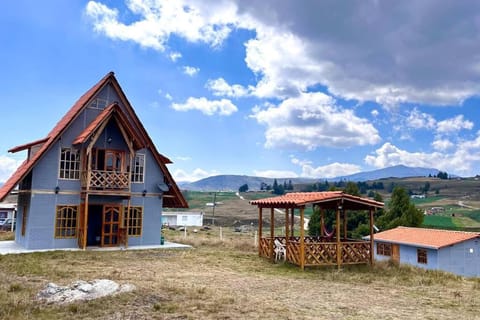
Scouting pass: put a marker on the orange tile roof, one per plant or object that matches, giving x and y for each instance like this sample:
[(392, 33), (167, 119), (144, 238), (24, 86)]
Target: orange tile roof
[(299, 199), (27, 145), (174, 197), (431, 238)]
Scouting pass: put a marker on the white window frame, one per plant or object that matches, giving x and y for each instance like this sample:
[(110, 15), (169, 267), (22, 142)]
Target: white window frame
[(73, 170), (138, 177)]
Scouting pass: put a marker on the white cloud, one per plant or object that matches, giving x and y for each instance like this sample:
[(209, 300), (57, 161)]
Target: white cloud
[(223, 107), (388, 54), (197, 174), (220, 87), (331, 170), (374, 113), (159, 20), (454, 125), (7, 166), (281, 61), (275, 174), (168, 96), (312, 120), (442, 144), (463, 160), (183, 158), (174, 56), (420, 120), (190, 71)]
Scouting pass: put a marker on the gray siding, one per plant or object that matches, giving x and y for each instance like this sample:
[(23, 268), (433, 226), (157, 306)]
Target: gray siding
[(461, 259)]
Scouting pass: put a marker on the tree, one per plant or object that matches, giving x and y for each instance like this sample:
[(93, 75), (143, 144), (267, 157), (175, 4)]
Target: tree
[(352, 189), (400, 211), (442, 175), (243, 188), (314, 223), (277, 188), (290, 185), (426, 188)]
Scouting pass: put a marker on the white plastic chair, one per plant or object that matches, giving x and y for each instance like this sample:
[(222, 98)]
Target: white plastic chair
[(280, 250)]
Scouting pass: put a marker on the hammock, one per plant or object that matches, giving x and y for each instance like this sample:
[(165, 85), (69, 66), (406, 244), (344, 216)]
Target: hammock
[(326, 233)]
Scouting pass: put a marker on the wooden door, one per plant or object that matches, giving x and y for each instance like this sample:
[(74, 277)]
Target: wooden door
[(110, 225), (113, 160), (396, 252)]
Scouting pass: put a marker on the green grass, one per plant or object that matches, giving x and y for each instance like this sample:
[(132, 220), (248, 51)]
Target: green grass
[(426, 200), (198, 199), (442, 222)]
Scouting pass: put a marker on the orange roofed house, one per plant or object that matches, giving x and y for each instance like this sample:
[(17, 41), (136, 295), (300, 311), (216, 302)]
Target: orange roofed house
[(457, 252), (95, 180)]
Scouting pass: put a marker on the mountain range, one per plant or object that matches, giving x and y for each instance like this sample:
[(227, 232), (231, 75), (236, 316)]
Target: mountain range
[(233, 182)]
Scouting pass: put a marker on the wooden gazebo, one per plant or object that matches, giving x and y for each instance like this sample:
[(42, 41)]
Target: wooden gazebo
[(316, 250)]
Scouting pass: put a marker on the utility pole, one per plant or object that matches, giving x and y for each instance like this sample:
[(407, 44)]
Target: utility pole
[(213, 209)]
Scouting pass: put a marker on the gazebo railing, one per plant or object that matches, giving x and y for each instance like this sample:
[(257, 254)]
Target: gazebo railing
[(318, 251)]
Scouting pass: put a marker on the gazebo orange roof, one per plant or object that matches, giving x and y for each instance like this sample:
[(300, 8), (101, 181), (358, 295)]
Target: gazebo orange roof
[(301, 199)]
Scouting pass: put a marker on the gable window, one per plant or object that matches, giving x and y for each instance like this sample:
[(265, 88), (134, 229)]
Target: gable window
[(134, 220), (69, 164), (138, 169), (422, 256), (384, 249), (99, 104), (66, 222)]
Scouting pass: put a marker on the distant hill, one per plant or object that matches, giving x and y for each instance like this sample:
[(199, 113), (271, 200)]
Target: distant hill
[(399, 171), (233, 182)]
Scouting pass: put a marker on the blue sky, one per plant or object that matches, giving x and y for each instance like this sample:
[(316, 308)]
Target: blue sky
[(277, 89)]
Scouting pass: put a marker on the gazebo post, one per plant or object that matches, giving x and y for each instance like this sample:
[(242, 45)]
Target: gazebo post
[(302, 239), (287, 231), (345, 229), (272, 233), (292, 222), (371, 237), (322, 222), (260, 227), (339, 248)]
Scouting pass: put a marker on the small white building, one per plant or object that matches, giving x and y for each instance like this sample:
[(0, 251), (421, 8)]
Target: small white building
[(7, 211), (182, 218)]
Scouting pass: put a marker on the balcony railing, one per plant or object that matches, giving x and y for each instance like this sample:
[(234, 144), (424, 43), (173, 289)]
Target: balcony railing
[(106, 180)]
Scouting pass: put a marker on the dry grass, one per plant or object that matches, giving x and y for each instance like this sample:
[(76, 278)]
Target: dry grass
[(225, 279)]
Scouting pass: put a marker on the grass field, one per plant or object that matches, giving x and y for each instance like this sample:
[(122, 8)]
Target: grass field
[(443, 222), (227, 280)]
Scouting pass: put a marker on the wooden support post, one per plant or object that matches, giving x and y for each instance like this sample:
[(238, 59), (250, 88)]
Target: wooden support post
[(371, 237), (322, 223), (339, 244), (345, 229), (302, 239), (85, 224), (260, 226), (286, 228), (128, 222), (272, 233), (292, 222)]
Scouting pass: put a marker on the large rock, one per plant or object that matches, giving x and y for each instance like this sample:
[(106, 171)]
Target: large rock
[(82, 290)]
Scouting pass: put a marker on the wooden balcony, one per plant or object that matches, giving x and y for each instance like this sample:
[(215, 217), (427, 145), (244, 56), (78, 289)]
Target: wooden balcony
[(319, 250), (106, 180)]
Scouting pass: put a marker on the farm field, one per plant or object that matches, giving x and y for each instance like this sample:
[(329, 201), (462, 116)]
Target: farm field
[(232, 210), (227, 280)]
